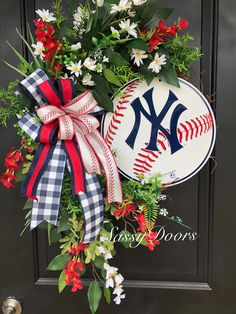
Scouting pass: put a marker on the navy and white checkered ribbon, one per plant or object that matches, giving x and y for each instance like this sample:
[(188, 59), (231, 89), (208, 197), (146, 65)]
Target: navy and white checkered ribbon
[(49, 187)]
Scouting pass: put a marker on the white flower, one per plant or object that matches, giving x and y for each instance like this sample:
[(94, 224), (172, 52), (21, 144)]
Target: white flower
[(87, 80), (46, 16), (156, 65), (76, 46), (105, 59), (78, 15), (131, 13), (119, 279), (100, 3), (118, 298), (111, 271), (90, 64), (38, 49), (118, 290), (115, 33), (163, 212), (105, 253), (162, 197), (139, 2), (138, 56), (110, 283), (123, 5), (129, 28), (75, 68)]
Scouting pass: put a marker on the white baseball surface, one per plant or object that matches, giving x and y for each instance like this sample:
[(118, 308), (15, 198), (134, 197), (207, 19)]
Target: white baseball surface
[(195, 131)]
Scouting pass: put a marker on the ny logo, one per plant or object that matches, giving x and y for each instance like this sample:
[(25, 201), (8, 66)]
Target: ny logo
[(156, 121)]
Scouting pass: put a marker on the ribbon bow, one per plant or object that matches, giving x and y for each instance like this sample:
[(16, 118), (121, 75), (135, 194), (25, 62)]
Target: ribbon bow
[(69, 135)]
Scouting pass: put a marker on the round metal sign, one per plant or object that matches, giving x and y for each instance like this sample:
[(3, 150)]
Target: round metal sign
[(159, 128)]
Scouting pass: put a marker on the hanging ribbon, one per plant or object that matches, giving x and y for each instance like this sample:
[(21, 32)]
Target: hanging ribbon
[(68, 132)]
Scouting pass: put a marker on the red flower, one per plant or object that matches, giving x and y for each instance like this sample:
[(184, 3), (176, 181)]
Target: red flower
[(44, 33), (73, 275), (125, 211), (142, 222), (77, 249), (151, 239), (173, 29), (183, 23), (162, 27), (154, 41), (163, 32), (12, 163)]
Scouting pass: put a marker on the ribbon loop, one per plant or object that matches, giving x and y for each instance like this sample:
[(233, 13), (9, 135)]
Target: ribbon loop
[(69, 129)]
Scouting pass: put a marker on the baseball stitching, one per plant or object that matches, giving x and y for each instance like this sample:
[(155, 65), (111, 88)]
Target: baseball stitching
[(119, 112), (187, 130)]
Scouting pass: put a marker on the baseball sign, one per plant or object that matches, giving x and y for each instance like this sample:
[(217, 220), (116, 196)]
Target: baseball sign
[(159, 128)]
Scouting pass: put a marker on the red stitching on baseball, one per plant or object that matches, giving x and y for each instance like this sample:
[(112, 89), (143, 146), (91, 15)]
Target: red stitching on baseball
[(144, 162), (115, 120)]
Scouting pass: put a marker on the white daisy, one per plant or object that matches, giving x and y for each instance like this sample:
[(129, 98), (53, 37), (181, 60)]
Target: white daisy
[(76, 46), (131, 13), (138, 56), (38, 49), (156, 65), (123, 5), (129, 28), (115, 33), (46, 16), (90, 64), (139, 2), (75, 68), (87, 80)]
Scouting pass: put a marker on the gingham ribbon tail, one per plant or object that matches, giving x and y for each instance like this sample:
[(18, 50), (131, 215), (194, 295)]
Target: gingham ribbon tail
[(68, 136)]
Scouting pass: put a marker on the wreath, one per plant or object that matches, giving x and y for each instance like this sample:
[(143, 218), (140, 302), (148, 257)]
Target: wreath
[(83, 60)]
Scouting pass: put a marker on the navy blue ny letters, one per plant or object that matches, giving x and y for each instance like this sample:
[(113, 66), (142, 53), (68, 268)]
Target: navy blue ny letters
[(156, 121)]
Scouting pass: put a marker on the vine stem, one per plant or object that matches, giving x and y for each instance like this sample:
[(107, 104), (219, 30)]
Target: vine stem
[(95, 273), (178, 222)]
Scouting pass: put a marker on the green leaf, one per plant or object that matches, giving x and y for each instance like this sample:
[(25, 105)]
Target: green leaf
[(159, 14), (22, 59), (28, 204), (94, 296), (107, 294), (126, 239), (61, 282), (137, 44), (28, 46), (49, 233), (14, 68), (64, 224), (104, 100), (101, 84), (110, 77), (55, 236), (169, 75), (147, 74), (99, 262), (115, 58), (59, 262)]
